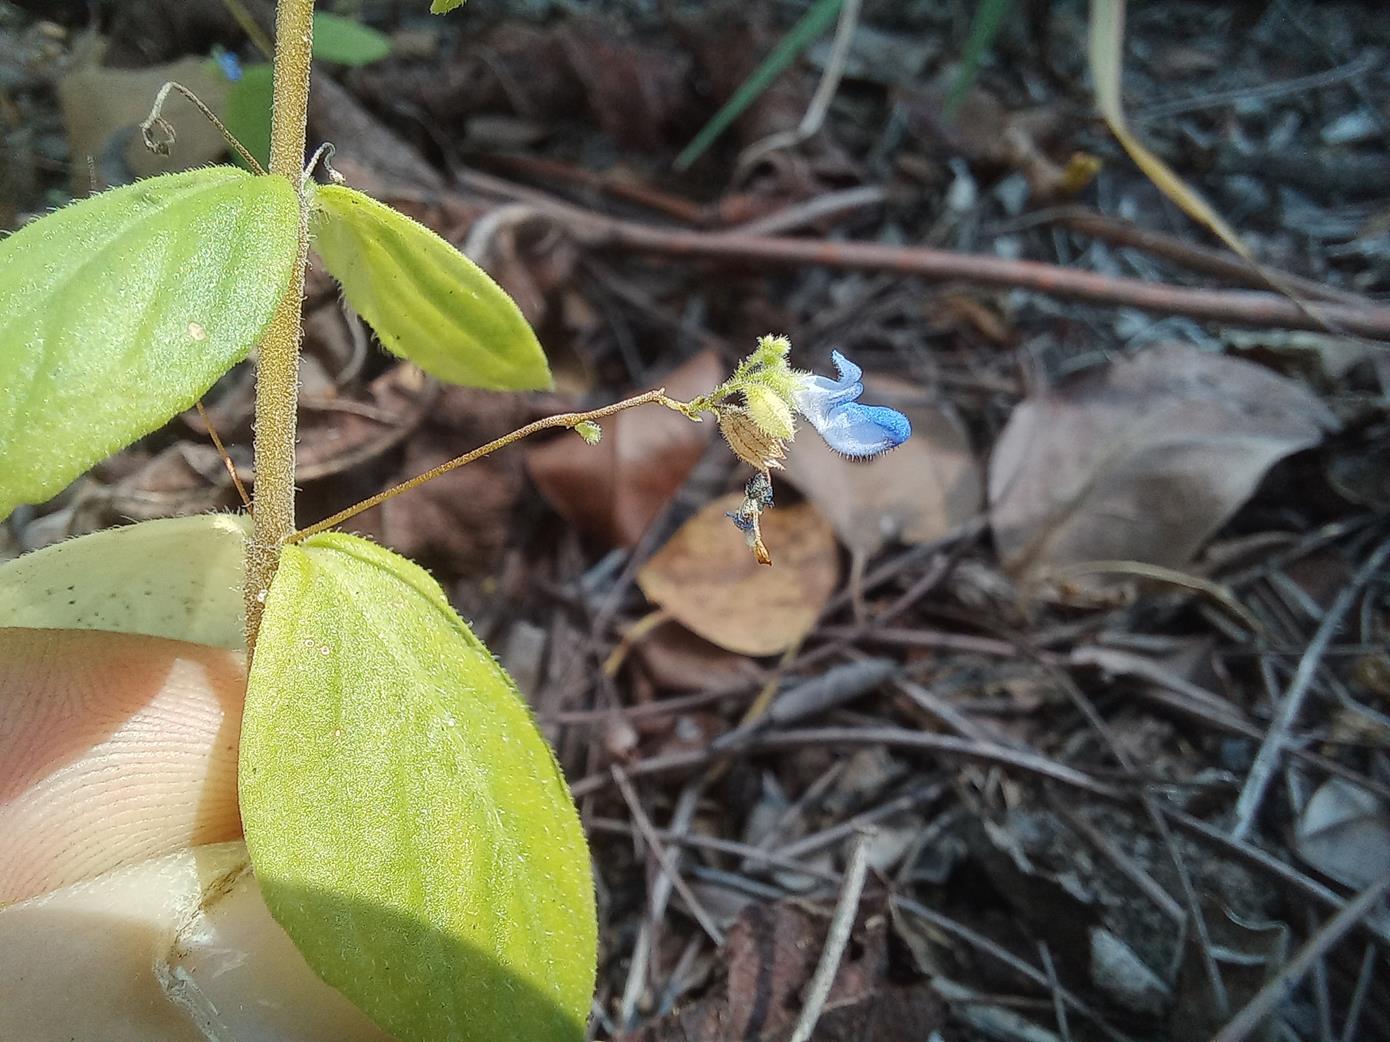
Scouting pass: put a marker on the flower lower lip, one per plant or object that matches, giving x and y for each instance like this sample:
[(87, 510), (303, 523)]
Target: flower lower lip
[(848, 426)]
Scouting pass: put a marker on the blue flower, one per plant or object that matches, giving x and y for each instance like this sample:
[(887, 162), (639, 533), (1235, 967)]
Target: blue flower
[(848, 427)]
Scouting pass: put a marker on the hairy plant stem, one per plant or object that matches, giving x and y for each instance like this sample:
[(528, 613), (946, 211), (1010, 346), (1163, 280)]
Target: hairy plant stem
[(277, 368)]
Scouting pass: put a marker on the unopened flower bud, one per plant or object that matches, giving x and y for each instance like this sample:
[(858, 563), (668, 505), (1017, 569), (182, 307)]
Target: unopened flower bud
[(769, 411)]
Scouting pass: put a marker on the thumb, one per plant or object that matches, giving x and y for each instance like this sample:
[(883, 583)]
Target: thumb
[(114, 748)]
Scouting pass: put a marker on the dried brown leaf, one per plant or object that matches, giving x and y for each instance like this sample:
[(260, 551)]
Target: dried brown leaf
[(1142, 459), (706, 578), (676, 659)]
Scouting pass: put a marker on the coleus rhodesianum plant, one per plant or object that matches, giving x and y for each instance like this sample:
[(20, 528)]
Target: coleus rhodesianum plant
[(408, 825)]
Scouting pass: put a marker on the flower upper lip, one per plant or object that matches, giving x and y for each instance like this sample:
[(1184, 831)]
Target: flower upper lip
[(849, 427)]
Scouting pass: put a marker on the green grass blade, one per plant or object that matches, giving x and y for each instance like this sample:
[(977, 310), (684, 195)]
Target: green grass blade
[(984, 27), (815, 22)]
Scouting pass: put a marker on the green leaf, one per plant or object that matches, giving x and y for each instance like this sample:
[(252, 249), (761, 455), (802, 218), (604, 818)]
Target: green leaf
[(427, 301), (444, 6), (247, 113), (118, 312), (178, 577), (346, 42), (409, 825)]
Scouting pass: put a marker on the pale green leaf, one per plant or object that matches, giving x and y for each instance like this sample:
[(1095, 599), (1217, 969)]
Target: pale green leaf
[(347, 42), (177, 577), (444, 6), (409, 825), (118, 312), (426, 300)]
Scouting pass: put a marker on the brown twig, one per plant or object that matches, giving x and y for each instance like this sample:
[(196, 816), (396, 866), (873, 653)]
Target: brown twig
[(1191, 256), (699, 841), (1238, 307), (542, 168), (663, 859)]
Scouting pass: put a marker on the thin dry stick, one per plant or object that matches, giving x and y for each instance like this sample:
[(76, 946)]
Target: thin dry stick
[(1358, 995), (801, 214), (222, 451), (1265, 92), (633, 636), (250, 27), (1196, 920), (1219, 595), (659, 895), (817, 841), (644, 826), (1267, 999), (1143, 882), (1059, 1007), (1238, 307), (564, 419), (894, 737), (1201, 259), (1267, 759), (846, 908), (981, 943), (1292, 880), (746, 851)]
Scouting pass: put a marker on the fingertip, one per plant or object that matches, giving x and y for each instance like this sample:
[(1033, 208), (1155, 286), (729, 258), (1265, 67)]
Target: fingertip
[(114, 748)]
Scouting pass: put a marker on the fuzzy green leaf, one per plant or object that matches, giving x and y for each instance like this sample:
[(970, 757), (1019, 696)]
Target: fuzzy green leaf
[(444, 6), (409, 825), (178, 577), (118, 312), (426, 300), (346, 42)]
